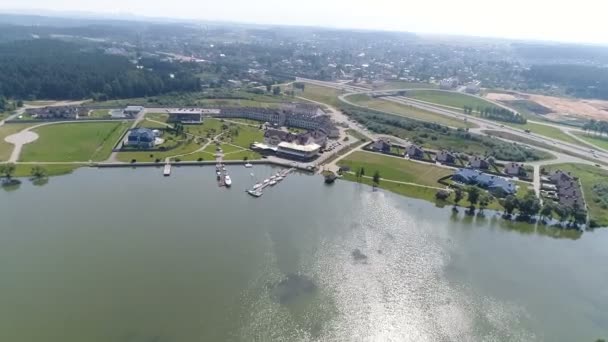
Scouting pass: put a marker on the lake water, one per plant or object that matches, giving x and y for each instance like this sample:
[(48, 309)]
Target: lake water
[(129, 256)]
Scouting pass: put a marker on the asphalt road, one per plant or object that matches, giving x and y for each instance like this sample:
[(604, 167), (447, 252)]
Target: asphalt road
[(575, 152)]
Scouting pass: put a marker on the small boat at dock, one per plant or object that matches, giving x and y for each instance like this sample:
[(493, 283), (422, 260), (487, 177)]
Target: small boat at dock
[(228, 181), (248, 165), (266, 181), (273, 182), (255, 187), (255, 193)]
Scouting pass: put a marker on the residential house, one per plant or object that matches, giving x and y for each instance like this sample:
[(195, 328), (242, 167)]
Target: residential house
[(132, 111), (141, 138), (56, 113), (445, 157), (515, 169), (568, 189), (498, 186), (479, 163), (382, 145), (415, 152)]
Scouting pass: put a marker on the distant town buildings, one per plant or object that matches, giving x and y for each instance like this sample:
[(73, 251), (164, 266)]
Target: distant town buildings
[(448, 83), (497, 186)]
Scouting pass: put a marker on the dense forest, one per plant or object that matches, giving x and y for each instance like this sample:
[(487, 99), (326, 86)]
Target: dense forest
[(577, 80), (52, 69)]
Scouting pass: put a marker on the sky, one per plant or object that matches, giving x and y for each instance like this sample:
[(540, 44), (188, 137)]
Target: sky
[(556, 20)]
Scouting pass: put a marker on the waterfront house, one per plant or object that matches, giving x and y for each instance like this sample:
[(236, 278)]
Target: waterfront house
[(415, 152), (382, 145), (141, 138), (568, 189), (479, 163), (445, 157), (498, 186)]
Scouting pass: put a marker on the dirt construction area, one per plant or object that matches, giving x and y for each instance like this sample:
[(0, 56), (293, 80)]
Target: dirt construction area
[(561, 108)]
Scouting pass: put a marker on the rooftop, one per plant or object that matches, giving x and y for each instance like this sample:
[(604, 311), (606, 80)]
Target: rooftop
[(303, 148)]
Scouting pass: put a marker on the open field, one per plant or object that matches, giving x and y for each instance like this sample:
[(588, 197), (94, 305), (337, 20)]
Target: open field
[(251, 155), (548, 131), (317, 93), (408, 111), (594, 140), (402, 170), (74, 142), (39, 103), (99, 113), (589, 176), (449, 99), (559, 108), (9, 129), (397, 169)]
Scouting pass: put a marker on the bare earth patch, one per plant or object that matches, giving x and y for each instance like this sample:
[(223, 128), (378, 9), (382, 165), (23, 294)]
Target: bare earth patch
[(22, 138), (561, 108)]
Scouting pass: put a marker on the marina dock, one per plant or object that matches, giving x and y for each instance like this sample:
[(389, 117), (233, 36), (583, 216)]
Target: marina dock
[(167, 169), (257, 189)]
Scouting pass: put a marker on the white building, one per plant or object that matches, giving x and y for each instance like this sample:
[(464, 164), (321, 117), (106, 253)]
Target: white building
[(295, 151), (186, 115)]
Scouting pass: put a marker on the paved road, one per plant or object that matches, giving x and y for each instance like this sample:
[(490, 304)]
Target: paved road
[(576, 150)]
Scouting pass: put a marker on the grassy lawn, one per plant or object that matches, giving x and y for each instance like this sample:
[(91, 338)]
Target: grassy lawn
[(321, 94), (547, 131), (242, 154), (601, 142), (589, 176), (74, 142), (25, 170), (449, 99), (99, 113), (187, 146), (408, 111), (5, 130), (245, 137), (397, 169)]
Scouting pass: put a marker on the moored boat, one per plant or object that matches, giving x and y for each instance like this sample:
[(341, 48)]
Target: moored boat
[(228, 181)]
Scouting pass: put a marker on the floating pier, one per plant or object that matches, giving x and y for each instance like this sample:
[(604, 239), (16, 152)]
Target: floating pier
[(257, 189)]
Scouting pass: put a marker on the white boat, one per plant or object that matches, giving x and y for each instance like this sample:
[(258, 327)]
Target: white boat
[(279, 179), (273, 182), (257, 186), (248, 165), (266, 181), (219, 175), (228, 181), (255, 193)]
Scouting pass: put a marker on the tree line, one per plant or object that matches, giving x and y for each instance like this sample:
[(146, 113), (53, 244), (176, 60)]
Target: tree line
[(599, 127), (52, 69), (496, 113)]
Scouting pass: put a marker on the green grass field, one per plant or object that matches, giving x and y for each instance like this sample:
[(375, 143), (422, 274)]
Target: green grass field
[(595, 140), (9, 129), (588, 175), (321, 94), (251, 155), (408, 111), (25, 170), (548, 131), (397, 169), (74, 142), (99, 113), (449, 99)]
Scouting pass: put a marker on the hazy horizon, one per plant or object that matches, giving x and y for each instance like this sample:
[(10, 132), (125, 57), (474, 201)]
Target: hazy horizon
[(519, 19)]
